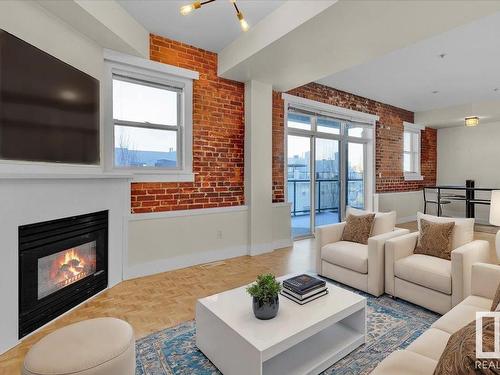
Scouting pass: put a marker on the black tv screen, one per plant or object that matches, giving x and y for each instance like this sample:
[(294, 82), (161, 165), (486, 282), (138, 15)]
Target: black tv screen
[(49, 110)]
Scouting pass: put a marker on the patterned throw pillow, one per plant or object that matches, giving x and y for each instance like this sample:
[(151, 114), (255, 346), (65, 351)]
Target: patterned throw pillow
[(459, 355), (496, 300), (358, 228), (435, 239)]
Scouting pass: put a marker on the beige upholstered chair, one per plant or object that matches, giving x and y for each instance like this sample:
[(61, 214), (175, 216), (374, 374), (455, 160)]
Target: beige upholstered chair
[(357, 265), (435, 283)]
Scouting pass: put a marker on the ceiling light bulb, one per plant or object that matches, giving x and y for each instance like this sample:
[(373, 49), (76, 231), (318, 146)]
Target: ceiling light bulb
[(243, 22), (186, 9), (472, 121)]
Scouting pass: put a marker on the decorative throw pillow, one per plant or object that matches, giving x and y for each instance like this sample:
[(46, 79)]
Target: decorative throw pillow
[(459, 355), (496, 300), (435, 239), (384, 221), (463, 232), (358, 228)]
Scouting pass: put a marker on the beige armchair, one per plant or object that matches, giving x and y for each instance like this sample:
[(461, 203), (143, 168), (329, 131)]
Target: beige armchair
[(357, 265), (434, 283)]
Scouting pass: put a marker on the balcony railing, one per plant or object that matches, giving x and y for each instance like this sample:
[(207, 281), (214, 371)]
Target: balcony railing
[(327, 195)]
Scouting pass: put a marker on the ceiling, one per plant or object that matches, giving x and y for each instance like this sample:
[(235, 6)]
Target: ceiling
[(212, 27), (407, 78)]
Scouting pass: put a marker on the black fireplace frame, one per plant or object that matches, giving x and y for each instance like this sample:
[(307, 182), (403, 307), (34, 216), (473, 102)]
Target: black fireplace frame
[(41, 239)]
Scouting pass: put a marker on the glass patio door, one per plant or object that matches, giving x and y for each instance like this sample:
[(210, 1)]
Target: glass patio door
[(326, 169), (327, 181), (299, 184), (355, 176)]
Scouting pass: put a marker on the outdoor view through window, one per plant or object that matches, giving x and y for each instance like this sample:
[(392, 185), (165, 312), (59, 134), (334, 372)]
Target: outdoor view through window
[(317, 140), (146, 125)]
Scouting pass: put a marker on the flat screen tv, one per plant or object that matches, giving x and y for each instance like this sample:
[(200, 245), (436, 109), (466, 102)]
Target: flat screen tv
[(49, 110)]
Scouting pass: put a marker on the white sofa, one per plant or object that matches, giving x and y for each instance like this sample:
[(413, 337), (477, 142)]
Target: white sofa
[(434, 283), (357, 265), (421, 356)]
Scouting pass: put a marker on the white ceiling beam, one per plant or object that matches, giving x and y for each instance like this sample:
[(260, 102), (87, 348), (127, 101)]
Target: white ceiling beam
[(339, 36), (105, 22)]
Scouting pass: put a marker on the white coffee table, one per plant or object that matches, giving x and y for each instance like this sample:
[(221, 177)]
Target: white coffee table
[(299, 340)]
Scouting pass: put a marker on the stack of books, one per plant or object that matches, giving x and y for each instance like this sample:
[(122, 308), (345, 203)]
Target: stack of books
[(304, 288)]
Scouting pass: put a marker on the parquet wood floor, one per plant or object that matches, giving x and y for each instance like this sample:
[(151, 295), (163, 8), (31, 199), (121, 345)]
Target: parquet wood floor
[(155, 302)]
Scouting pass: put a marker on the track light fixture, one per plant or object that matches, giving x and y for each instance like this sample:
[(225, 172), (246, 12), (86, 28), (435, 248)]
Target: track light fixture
[(186, 9)]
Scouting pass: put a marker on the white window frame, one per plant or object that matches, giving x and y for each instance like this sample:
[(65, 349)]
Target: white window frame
[(415, 155), (342, 114), (155, 73)]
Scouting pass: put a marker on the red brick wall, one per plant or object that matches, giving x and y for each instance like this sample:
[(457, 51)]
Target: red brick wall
[(389, 139), (218, 137)]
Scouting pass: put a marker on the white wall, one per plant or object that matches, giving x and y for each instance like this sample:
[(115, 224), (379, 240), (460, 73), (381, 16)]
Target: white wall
[(469, 153), (258, 165), (161, 242), (406, 204)]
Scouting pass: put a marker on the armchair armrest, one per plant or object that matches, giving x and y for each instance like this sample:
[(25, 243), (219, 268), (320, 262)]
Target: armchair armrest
[(326, 234), (397, 248), (376, 258), (462, 259), (485, 280)]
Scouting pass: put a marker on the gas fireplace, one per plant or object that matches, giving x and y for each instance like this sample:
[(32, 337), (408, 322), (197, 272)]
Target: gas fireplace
[(61, 264)]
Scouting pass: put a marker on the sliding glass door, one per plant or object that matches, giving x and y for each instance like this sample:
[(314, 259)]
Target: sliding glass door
[(327, 181), (299, 184), (326, 169), (355, 174)]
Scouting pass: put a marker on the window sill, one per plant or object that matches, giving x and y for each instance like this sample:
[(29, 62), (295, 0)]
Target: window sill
[(163, 177), (413, 177)]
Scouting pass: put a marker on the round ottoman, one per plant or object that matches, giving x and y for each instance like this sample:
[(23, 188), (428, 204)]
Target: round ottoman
[(103, 346)]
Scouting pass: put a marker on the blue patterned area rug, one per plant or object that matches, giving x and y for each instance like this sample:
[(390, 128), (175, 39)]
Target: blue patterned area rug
[(392, 325)]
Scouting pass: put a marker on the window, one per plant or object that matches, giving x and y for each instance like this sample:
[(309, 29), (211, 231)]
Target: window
[(147, 124), (148, 130), (411, 151)]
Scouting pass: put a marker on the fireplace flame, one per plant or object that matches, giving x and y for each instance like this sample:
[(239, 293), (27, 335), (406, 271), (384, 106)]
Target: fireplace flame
[(69, 267)]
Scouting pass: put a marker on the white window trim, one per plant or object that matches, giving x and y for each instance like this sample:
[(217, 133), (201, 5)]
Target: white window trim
[(123, 64), (416, 129)]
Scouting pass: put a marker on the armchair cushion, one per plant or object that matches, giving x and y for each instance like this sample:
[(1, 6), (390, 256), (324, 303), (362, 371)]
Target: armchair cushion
[(435, 239), (351, 255), (384, 221), (463, 231), (427, 271), (358, 228)]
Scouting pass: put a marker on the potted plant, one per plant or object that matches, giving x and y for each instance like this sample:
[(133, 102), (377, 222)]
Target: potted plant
[(265, 293)]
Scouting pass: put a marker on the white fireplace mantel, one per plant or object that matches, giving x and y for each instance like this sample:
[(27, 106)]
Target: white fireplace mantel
[(31, 198)]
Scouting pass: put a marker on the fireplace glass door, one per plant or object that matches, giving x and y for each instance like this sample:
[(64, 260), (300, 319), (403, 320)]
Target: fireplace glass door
[(64, 268), (62, 263)]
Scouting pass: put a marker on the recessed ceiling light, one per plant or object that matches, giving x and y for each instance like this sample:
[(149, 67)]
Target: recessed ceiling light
[(435, 92), (471, 121)]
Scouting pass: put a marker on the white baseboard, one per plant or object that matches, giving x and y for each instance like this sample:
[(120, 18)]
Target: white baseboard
[(201, 257), (260, 248), (183, 261), (280, 244)]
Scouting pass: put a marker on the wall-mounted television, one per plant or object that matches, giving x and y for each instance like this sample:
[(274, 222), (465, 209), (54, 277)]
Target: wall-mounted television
[(49, 110)]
